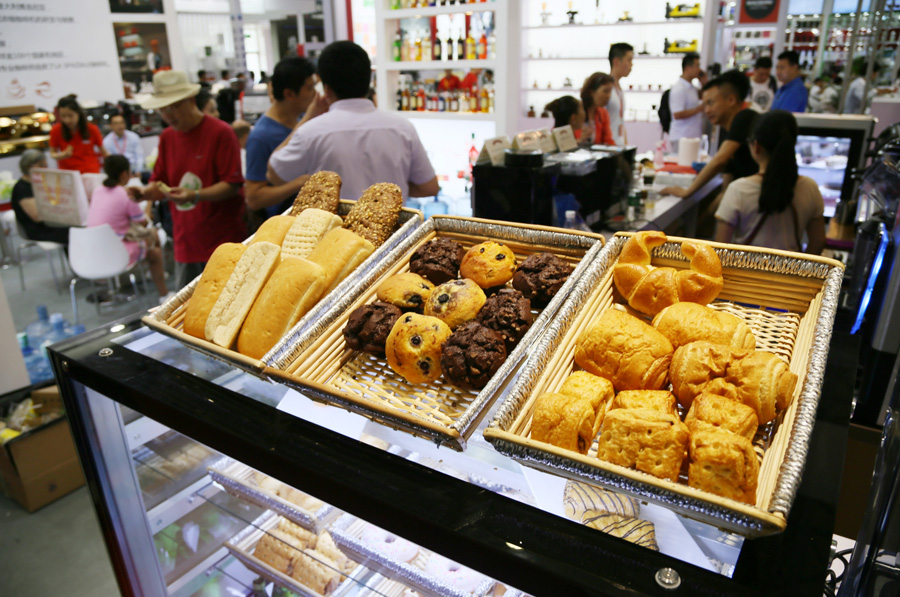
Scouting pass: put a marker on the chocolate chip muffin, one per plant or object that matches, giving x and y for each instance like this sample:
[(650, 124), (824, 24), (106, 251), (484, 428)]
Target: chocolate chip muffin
[(438, 260), (408, 291), (508, 313), (368, 327), (455, 302), (472, 355), (414, 347), (489, 264), (541, 276)]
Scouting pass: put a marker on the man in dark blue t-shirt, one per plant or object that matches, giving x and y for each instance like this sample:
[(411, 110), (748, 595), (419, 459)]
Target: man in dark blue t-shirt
[(294, 94)]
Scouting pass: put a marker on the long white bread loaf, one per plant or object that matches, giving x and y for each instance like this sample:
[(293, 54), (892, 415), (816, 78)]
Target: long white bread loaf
[(339, 253), (307, 230)]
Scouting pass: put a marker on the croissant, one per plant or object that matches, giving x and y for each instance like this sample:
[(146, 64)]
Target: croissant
[(683, 323), (650, 289), (757, 378)]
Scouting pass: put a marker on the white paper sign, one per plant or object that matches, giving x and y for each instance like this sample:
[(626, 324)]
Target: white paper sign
[(528, 140), (59, 196), (548, 144), (52, 48), (565, 138), (494, 150)]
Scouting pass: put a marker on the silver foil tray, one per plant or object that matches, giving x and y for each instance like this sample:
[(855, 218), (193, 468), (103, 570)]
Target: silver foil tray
[(371, 268), (403, 572), (238, 480), (736, 519), (455, 435)]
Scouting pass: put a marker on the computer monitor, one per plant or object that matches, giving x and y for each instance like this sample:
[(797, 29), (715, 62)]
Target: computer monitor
[(830, 148)]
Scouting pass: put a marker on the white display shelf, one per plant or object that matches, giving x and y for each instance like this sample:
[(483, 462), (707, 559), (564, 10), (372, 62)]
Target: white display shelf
[(578, 90), (697, 21), (440, 64), (601, 58), (433, 11), (483, 116)]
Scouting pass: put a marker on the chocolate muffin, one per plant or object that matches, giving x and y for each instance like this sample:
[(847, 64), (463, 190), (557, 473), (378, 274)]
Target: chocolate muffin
[(368, 327), (541, 276), (471, 356), (437, 260), (508, 313)]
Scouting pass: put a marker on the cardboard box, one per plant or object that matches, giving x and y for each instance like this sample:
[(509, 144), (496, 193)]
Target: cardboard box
[(40, 465)]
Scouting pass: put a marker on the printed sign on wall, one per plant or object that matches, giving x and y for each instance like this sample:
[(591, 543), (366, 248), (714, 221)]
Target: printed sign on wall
[(759, 11)]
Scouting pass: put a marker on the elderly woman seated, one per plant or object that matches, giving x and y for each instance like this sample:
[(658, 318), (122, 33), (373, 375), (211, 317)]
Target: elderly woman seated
[(25, 207)]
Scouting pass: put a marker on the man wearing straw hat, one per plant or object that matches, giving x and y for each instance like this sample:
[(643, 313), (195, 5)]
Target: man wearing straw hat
[(199, 171)]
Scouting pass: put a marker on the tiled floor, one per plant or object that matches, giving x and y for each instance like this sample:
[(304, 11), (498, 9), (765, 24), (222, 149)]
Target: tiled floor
[(59, 549)]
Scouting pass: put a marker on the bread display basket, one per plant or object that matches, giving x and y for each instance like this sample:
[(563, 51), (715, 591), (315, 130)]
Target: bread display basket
[(168, 319), (789, 300), (318, 363)]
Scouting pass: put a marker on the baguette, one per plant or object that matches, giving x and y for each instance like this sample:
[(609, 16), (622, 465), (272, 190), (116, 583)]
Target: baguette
[(273, 230), (307, 230), (295, 286), (246, 281), (215, 275), (339, 253)]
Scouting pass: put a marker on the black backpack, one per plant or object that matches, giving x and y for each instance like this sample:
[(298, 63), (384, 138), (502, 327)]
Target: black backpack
[(665, 115)]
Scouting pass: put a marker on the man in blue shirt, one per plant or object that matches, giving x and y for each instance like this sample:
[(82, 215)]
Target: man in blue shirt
[(792, 95), (294, 94), (121, 141)]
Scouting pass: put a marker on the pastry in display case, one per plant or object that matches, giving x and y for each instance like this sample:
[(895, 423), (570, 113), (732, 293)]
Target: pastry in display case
[(28, 130)]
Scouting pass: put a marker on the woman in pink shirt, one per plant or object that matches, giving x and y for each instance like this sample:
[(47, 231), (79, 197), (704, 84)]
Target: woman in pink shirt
[(110, 204)]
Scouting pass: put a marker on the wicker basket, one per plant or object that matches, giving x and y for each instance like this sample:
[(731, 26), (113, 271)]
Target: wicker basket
[(788, 299), (244, 543), (168, 319), (323, 368)]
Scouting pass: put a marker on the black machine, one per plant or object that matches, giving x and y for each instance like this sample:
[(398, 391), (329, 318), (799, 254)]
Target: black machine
[(530, 186)]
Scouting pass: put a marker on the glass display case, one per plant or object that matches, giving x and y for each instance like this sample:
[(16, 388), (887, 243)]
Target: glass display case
[(204, 476)]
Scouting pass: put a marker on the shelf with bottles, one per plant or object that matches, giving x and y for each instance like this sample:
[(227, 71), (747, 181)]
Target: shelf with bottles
[(473, 96), (443, 38), (399, 9), (657, 89), (603, 59), (692, 21), (437, 65)]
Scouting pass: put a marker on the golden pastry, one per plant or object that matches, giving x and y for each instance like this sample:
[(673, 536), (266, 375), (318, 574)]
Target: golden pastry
[(650, 441)]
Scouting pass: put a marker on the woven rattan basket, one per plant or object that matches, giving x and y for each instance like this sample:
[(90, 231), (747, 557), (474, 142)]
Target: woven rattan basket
[(789, 301), (168, 319), (323, 368)]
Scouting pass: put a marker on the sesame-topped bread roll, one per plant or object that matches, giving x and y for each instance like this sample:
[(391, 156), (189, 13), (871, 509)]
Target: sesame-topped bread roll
[(322, 191), (375, 214)]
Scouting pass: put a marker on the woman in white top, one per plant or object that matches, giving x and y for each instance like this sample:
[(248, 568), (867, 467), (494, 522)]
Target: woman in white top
[(775, 207)]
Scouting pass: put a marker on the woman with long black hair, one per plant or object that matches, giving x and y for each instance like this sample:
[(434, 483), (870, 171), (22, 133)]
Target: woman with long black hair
[(776, 206), (75, 143), (567, 110)]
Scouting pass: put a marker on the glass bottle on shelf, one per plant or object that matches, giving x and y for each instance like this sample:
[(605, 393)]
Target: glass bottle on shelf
[(492, 45), (531, 113), (460, 47), (449, 48), (438, 49), (426, 45), (417, 47), (491, 99), (454, 102), (396, 48), (404, 101), (473, 100), (484, 100), (420, 95), (481, 47), (470, 46), (442, 101), (404, 49)]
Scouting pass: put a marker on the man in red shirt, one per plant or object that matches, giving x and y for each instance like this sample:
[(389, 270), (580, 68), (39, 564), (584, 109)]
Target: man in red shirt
[(199, 171)]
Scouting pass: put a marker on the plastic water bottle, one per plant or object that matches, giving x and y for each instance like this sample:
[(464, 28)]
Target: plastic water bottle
[(571, 220), (436, 207), (38, 330), (659, 158), (59, 330), (37, 365)]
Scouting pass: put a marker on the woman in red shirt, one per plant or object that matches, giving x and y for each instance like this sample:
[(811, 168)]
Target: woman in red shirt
[(594, 96), (75, 143)]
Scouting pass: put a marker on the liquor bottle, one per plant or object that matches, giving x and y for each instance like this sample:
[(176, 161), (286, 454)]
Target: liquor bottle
[(470, 46), (396, 49), (473, 153), (531, 113), (473, 100), (404, 49), (438, 49), (399, 99), (442, 101), (420, 94), (485, 100), (417, 49), (449, 48), (481, 46), (454, 102), (460, 47), (492, 45), (491, 99), (426, 45), (404, 106)]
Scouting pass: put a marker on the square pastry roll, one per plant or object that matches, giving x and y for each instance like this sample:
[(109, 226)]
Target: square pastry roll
[(711, 410), (724, 464), (564, 421), (659, 400), (641, 438), (593, 388)]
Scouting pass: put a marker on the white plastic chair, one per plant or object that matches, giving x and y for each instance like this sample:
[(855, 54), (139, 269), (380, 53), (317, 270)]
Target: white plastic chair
[(97, 253), (47, 247)]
